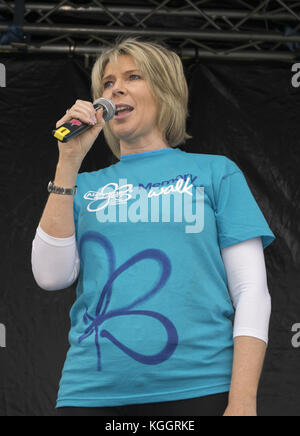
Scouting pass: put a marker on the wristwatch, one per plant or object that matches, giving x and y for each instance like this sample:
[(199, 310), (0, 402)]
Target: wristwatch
[(61, 190)]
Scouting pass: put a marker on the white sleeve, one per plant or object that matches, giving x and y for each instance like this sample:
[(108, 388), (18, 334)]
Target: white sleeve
[(55, 261), (247, 284)]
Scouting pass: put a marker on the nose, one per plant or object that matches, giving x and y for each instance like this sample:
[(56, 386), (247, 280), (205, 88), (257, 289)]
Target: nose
[(118, 88), (117, 91)]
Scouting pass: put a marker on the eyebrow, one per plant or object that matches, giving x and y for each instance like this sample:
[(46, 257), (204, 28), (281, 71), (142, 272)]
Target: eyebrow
[(111, 75)]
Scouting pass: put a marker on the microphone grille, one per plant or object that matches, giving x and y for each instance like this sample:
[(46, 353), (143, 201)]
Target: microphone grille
[(109, 108)]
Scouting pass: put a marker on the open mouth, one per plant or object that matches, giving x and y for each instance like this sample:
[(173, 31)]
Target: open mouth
[(123, 112)]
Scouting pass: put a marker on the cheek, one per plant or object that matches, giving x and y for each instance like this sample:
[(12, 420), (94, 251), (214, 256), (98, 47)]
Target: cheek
[(152, 111)]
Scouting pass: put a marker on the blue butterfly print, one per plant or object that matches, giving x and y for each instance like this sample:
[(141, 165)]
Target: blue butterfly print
[(102, 312)]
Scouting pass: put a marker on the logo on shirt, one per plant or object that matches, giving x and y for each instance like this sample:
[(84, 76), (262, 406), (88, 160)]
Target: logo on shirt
[(184, 194), (103, 313)]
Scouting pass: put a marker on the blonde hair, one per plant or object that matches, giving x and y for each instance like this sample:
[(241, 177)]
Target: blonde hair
[(164, 73)]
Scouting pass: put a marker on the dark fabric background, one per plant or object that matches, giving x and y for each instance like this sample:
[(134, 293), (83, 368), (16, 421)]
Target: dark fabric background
[(248, 112)]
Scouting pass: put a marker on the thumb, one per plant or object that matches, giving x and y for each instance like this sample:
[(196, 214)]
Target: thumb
[(99, 121), (99, 118)]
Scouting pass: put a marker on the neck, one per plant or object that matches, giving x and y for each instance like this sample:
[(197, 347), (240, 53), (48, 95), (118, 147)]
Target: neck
[(141, 145), (144, 149)]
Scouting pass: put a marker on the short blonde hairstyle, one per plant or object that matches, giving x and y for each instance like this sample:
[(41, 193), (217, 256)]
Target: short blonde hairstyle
[(164, 73)]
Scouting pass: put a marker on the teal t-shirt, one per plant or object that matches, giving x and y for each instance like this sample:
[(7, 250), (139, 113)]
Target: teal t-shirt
[(153, 318)]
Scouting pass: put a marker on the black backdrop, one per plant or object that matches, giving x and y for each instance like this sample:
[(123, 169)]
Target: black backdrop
[(247, 111)]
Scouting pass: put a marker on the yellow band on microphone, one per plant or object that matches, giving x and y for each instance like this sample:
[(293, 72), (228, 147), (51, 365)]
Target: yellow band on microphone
[(61, 133)]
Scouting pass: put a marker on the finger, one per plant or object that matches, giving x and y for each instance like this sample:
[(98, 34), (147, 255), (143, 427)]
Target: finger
[(99, 116), (83, 116), (88, 107), (93, 112), (99, 119)]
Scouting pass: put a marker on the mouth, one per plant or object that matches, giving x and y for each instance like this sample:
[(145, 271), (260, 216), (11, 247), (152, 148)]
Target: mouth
[(119, 115)]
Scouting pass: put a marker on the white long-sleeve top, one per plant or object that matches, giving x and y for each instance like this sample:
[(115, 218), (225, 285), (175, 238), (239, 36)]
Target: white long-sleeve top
[(56, 265)]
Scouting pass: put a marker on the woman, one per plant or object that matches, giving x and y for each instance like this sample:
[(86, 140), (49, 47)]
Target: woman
[(152, 327)]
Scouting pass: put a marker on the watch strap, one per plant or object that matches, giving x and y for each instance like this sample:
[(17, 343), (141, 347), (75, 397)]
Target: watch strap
[(60, 190)]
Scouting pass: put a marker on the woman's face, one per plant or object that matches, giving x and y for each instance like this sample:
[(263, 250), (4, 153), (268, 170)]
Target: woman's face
[(124, 83)]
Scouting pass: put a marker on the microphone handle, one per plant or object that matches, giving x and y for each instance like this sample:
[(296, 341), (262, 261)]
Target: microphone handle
[(74, 127)]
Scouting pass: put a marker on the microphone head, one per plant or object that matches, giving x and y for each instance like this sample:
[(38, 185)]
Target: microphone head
[(109, 108)]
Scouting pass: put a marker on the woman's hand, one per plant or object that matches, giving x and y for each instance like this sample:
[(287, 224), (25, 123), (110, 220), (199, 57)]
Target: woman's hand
[(76, 149)]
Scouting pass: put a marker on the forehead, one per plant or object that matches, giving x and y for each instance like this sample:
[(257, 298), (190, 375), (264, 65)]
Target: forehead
[(123, 63)]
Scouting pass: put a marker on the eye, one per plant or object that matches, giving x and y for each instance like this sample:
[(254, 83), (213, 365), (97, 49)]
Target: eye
[(135, 75), (104, 86), (131, 75)]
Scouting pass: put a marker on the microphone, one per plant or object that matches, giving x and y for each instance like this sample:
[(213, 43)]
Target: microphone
[(74, 127)]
